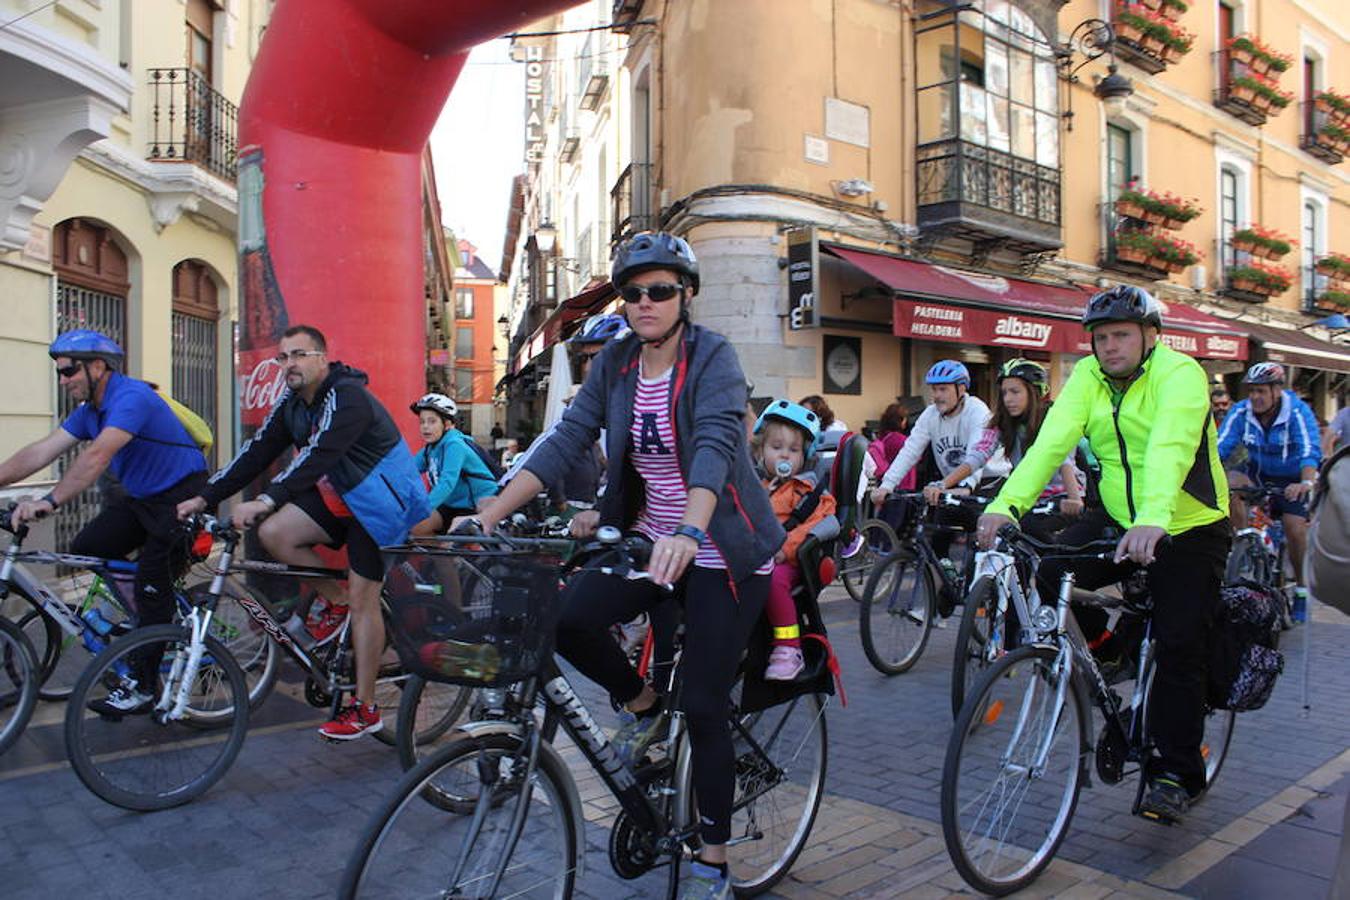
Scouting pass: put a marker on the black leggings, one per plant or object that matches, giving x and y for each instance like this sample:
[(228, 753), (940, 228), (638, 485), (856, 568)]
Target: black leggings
[(719, 617), (151, 524)]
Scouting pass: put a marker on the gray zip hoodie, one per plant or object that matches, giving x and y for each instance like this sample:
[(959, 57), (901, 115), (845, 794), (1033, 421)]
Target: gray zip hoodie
[(952, 437)]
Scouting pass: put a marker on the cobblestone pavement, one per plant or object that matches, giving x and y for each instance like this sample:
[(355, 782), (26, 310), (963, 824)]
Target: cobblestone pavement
[(282, 821)]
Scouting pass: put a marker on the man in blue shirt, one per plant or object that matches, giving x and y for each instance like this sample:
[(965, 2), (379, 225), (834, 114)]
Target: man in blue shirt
[(138, 437), (1283, 443)]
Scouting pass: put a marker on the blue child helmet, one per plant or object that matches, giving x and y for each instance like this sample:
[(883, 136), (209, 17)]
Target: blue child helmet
[(793, 414), (84, 343), (948, 371), (601, 329)]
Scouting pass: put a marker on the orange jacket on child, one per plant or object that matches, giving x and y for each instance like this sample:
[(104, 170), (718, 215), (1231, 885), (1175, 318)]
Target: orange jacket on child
[(785, 498)]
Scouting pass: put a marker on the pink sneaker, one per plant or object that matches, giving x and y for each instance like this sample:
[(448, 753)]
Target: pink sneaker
[(785, 663)]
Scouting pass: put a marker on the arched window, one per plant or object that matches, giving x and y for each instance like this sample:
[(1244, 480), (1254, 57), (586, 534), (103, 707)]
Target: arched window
[(195, 314), (988, 116)]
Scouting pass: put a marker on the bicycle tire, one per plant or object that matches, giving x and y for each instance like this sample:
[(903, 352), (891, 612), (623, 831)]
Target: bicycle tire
[(878, 542), (972, 639), (1216, 737), (18, 683), (405, 825), (983, 721), (49, 643), (428, 724), (893, 610), (107, 771)]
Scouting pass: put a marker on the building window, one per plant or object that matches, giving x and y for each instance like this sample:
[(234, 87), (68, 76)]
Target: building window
[(196, 310), (1229, 213), (200, 15), (463, 388), (1312, 242), (463, 303), (988, 119), (1119, 160), (464, 343)]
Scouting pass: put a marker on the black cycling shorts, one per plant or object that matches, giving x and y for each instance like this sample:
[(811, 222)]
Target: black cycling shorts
[(363, 554)]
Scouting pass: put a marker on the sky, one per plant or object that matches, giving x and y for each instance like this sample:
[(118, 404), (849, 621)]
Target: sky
[(478, 146)]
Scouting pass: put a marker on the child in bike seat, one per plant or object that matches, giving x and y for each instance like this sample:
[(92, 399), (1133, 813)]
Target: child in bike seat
[(785, 438)]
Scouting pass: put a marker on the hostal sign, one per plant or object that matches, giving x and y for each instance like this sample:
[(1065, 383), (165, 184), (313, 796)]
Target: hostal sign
[(534, 104)]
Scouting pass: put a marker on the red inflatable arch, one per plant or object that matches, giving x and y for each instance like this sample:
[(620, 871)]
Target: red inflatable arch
[(341, 101)]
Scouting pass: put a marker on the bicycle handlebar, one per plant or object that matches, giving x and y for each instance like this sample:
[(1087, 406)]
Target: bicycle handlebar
[(1102, 548), (1256, 492)]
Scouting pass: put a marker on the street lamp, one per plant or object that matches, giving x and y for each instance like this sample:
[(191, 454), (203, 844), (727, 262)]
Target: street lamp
[(1092, 39), (545, 236)]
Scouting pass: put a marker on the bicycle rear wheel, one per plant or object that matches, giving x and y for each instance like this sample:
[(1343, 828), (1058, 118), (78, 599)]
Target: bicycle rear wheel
[(1247, 561), (897, 612), (413, 848), (426, 713), (878, 541), (18, 683), (972, 639), (152, 760), (781, 760), (1005, 807)]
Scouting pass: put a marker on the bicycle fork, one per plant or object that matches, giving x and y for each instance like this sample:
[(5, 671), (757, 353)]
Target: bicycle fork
[(177, 690)]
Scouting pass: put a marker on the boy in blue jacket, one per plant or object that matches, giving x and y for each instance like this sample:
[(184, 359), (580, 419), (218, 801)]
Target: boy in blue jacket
[(457, 474)]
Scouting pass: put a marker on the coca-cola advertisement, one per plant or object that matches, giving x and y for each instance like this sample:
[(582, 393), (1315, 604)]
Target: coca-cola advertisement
[(262, 308)]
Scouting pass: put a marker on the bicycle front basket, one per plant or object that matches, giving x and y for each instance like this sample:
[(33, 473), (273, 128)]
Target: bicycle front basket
[(483, 618)]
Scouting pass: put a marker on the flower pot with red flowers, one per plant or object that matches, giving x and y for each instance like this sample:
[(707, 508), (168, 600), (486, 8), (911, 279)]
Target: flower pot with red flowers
[(1174, 9), (1241, 48), (1133, 245), (1335, 266), (1243, 88), (1334, 105), (1178, 43), (1174, 254), (1266, 243), (1129, 26), (1176, 210), (1276, 62), (1333, 301), (1260, 278), (1334, 137)]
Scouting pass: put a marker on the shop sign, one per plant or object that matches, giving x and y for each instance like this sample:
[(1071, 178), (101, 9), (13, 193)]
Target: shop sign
[(803, 278), (843, 364), (438, 356), (994, 328), (535, 73)]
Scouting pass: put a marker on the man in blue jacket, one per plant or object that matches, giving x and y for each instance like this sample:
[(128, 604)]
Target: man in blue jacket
[(1284, 450), (352, 481), (134, 434)]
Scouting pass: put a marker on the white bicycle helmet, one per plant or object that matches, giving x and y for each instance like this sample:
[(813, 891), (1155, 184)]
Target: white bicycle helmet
[(437, 403)]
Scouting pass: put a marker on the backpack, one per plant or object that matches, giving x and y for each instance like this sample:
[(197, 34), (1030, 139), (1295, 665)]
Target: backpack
[(194, 424), (493, 466), (1328, 561), (1243, 661)]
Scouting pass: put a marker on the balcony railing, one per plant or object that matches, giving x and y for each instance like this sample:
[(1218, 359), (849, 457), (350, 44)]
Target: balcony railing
[(985, 195), (630, 201), (192, 122), (1234, 98), (1316, 139)]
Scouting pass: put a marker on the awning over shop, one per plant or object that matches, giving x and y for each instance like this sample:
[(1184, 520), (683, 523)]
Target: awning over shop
[(945, 304), (1294, 348), (569, 311)]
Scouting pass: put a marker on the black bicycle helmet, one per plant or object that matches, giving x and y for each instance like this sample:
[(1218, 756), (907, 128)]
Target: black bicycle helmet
[(1123, 303), (649, 250)]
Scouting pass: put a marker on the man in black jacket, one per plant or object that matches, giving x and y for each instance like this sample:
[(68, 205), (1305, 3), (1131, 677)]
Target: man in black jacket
[(352, 481)]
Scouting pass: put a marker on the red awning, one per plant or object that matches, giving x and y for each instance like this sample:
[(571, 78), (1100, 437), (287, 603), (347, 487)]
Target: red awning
[(569, 311), (979, 308)]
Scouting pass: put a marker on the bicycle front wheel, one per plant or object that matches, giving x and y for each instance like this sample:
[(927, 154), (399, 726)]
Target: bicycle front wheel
[(414, 848), (878, 541), (426, 712), (257, 654), (18, 683), (897, 612), (972, 639), (152, 758), (1016, 761), (781, 760)]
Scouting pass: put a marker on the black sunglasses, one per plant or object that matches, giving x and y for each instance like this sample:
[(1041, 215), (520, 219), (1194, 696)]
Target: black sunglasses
[(68, 371), (660, 293)]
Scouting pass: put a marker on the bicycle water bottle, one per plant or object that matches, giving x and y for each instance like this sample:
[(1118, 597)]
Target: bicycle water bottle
[(949, 571), (295, 627), (478, 662), (96, 620)]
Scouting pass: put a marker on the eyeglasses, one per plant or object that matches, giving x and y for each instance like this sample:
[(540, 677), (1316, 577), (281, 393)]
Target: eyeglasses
[(68, 371), (296, 355), (659, 293)]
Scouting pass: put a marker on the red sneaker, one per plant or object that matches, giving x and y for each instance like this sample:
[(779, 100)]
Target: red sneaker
[(324, 620), (352, 722)]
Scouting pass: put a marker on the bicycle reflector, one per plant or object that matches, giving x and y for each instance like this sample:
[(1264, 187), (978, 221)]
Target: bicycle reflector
[(201, 545), (828, 570)]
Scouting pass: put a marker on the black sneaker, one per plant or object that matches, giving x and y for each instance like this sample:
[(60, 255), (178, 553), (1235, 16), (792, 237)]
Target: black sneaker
[(1166, 800), (124, 700)]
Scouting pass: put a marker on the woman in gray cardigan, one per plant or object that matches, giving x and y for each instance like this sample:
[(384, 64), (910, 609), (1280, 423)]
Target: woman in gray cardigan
[(670, 399)]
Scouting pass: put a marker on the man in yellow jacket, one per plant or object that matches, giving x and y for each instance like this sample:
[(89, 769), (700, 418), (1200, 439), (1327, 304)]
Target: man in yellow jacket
[(1145, 411)]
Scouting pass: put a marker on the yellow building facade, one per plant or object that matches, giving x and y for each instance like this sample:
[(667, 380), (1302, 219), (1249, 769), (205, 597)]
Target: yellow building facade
[(119, 207), (851, 167)]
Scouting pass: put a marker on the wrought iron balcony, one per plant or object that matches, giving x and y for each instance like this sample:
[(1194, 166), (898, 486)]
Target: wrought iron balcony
[(630, 201), (1316, 139), (988, 197), (1235, 99), (192, 122)]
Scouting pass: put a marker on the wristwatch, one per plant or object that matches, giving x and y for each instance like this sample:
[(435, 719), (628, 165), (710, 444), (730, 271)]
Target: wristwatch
[(50, 498), (267, 501)]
